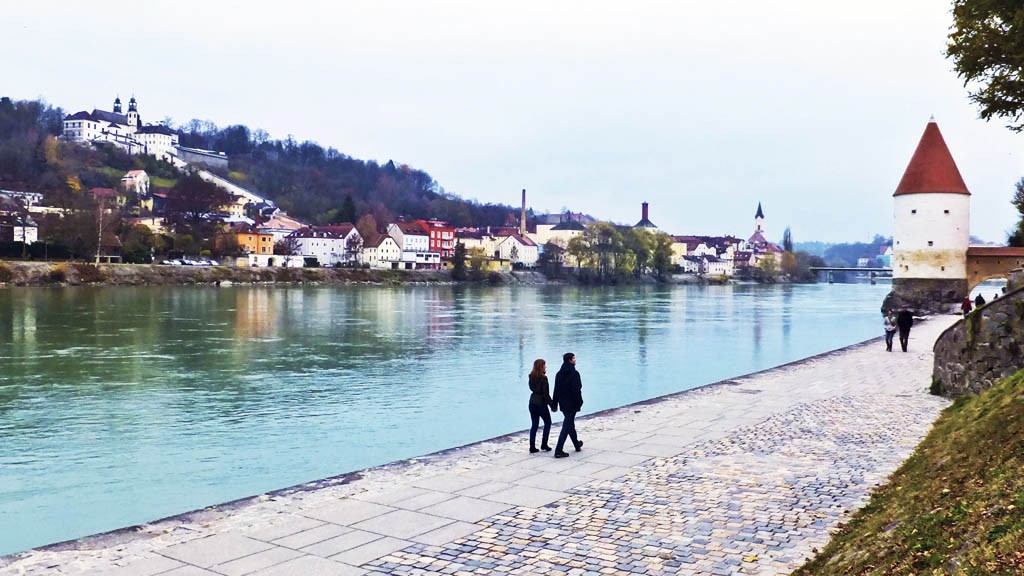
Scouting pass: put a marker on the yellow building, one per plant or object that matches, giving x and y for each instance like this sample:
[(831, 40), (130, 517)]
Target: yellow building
[(248, 240)]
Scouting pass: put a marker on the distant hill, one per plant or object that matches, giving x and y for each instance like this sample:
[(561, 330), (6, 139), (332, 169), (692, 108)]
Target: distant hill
[(845, 254), (305, 179)]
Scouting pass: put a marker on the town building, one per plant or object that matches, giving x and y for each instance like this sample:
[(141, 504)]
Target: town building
[(519, 250), (334, 245), (123, 130), (441, 237), (382, 252), (247, 239)]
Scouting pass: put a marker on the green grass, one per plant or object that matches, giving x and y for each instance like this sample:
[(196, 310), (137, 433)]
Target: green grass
[(158, 182), (956, 506)]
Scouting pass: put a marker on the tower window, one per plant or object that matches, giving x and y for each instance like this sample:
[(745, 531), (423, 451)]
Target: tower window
[(930, 243), (913, 211), (945, 211), (943, 268)]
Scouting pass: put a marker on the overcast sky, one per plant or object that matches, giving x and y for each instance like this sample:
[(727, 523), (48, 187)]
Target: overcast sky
[(703, 109)]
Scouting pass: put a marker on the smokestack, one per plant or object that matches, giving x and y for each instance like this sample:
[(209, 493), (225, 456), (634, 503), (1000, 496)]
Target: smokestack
[(522, 216), (645, 210)]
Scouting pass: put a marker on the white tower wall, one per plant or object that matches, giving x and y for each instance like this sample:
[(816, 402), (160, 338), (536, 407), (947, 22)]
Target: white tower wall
[(930, 235)]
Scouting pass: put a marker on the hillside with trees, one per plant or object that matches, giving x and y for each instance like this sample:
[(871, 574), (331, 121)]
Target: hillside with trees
[(313, 184)]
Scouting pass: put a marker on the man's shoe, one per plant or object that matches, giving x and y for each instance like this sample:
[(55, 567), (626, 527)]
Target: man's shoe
[(579, 445), (546, 448), (561, 454), (533, 450)]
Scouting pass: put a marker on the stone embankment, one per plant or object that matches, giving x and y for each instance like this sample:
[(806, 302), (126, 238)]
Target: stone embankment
[(746, 476), (15, 273), (988, 345), (78, 273)]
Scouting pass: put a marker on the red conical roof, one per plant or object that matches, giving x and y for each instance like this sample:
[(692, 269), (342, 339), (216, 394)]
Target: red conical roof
[(932, 168)]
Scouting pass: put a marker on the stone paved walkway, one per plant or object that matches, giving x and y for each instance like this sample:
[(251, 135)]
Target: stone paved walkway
[(744, 477)]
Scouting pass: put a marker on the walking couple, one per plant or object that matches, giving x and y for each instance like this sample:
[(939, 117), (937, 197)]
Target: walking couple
[(568, 396)]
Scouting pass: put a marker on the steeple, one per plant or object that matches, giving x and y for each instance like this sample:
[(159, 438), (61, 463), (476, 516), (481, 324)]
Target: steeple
[(760, 213), (931, 168), (759, 220), (132, 105), (117, 105)]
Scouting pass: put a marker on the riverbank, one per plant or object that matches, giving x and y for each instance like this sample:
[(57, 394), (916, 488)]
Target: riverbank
[(743, 476), (16, 273)]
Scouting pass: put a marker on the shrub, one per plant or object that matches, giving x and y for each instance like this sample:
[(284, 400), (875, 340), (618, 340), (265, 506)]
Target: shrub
[(89, 273), (57, 274), (6, 274)]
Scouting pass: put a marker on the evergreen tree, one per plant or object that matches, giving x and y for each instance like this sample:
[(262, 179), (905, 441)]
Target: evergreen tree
[(348, 210), (459, 262)]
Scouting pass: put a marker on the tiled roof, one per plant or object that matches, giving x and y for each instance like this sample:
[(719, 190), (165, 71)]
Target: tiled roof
[(645, 223), (83, 115), (376, 241), (931, 168), (109, 116), (156, 129), (411, 229), (995, 251)]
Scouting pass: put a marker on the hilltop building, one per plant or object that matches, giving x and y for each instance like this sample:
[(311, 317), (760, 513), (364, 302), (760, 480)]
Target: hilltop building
[(123, 130)]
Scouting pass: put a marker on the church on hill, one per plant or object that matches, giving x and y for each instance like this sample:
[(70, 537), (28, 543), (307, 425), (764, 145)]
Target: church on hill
[(124, 130)]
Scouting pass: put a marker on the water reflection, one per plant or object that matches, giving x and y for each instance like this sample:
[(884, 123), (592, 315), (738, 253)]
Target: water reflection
[(121, 405)]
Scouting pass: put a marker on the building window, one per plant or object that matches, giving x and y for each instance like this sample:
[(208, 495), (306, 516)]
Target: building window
[(913, 211), (930, 242), (945, 211)]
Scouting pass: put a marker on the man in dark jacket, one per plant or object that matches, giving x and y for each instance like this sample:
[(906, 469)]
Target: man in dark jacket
[(904, 320), (568, 396)]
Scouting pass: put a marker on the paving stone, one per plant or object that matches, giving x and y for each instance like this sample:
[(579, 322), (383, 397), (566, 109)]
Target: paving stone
[(466, 509), (213, 550), (338, 544), (282, 528), (347, 512), (371, 551), (447, 533), (527, 496), (257, 561), (311, 566), (403, 524), (312, 536)]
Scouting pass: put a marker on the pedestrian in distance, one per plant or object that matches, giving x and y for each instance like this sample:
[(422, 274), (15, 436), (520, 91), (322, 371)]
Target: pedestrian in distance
[(568, 396), (889, 323), (540, 399), (979, 301), (904, 320), (965, 306), (995, 296)]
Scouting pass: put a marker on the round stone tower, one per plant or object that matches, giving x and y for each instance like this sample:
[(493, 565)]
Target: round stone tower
[(931, 232)]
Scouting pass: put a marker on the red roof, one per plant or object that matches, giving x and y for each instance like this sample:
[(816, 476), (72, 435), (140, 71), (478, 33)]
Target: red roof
[(995, 251), (931, 169)]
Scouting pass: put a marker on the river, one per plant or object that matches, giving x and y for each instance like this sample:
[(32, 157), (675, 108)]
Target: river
[(120, 405)]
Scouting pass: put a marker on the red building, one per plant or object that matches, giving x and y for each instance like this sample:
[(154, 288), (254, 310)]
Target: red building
[(442, 237)]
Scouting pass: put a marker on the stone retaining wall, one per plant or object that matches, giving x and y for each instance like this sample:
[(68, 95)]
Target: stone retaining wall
[(977, 351)]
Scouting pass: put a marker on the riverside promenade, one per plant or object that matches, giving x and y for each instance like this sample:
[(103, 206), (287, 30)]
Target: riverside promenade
[(746, 476)]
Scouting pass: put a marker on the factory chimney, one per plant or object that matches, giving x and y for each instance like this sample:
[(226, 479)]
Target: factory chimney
[(522, 216)]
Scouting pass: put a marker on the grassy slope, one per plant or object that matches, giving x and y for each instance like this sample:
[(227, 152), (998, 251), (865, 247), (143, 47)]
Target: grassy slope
[(955, 507)]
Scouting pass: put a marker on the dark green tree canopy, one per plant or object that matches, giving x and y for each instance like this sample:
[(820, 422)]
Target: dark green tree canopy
[(987, 47)]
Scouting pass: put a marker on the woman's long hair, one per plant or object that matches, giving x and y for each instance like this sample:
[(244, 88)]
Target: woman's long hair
[(539, 368)]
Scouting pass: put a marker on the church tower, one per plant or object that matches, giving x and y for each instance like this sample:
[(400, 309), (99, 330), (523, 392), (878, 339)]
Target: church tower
[(117, 105), (931, 231), (759, 220), (133, 113)]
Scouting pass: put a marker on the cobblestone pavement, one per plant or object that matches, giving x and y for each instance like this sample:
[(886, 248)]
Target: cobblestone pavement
[(744, 477)]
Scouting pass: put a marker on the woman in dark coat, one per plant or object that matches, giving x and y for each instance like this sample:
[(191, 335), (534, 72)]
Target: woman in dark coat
[(540, 398)]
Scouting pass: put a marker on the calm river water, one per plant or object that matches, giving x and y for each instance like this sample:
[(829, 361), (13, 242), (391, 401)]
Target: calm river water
[(123, 405)]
